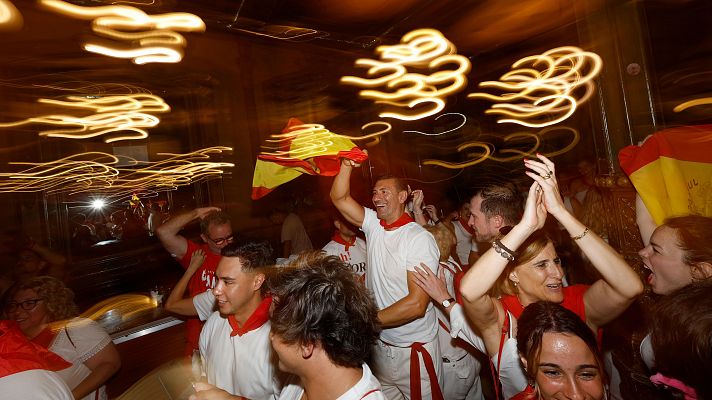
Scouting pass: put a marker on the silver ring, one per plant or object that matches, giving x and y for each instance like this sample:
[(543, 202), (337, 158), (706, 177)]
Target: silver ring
[(547, 175)]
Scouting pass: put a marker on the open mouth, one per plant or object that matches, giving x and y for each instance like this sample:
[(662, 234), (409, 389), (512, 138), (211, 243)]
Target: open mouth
[(554, 286)]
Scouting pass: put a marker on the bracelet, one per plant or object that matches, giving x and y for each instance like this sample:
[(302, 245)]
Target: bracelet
[(585, 231), (419, 213), (502, 250)]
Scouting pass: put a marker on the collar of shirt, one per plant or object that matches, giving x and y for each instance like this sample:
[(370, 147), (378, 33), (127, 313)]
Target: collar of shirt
[(256, 320)]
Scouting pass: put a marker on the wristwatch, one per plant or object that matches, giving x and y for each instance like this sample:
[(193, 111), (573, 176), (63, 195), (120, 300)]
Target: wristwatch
[(447, 303)]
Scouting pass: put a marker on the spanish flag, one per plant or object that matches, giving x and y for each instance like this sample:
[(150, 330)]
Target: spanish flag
[(672, 171), (301, 149)]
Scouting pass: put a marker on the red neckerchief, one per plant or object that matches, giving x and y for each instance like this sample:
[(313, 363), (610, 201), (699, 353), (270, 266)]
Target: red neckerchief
[(340, 239), (527, 394), (256, 320), (404, 219), (18, 354), (45, 338)]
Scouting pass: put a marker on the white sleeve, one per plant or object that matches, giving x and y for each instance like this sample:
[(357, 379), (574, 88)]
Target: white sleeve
[(87, 336), (459, 327), (423, 249), (204, 304), (370, 221)]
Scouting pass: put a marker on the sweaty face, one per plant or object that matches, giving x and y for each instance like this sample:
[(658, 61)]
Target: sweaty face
[(31, 321), (540, 278), (218, 236), (234, 288), (389, 207), (664, 258), (485, 229), (567, 369)]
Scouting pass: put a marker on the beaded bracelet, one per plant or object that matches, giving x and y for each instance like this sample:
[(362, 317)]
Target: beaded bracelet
[(502, 250), (585, 231)]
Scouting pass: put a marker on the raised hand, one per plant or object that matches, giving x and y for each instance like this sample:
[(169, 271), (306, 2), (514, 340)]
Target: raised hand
[(196, 260), (418, 199), (544, 173), (202, 212), (534, 215), (432, 212)]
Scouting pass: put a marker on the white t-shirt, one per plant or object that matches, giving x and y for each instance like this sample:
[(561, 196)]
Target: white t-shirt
[(240, 365), (367, 388), (34, 384), (390, 255), (293, 229), (354, 257), (465, 243), (80, 341), (447, 345)]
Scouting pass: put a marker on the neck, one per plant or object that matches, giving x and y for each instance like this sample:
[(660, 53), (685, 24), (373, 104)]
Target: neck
[(32, 332), (524, 300), (346, 237), (331, 382), (393, 218), (243, 314)]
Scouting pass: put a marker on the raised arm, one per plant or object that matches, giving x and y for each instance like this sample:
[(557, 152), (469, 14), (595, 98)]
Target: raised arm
[(167, 233), (176, 303), (485, 312), (418, 214), (608, 297), (341, 194)]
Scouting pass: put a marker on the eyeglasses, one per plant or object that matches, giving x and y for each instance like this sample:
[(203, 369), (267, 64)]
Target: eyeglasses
[(26, 305), (222, 241)]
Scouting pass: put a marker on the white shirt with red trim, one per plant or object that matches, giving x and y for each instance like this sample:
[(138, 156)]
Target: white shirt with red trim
[(448, 349), (355, 257), (390, 255), (240, 365), (465, 242), (367, 388)]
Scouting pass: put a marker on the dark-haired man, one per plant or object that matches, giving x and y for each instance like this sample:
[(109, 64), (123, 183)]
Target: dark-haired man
[(216, 232), (324, 326), (234, 342), (396, 245), (493, 207)]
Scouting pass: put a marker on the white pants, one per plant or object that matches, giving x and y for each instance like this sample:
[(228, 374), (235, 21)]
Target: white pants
[(391, 365), (462, 379)]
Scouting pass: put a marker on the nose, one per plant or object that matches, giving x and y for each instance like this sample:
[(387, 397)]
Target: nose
[(217, 290), (555, 270), (471, 221), (645, 251), (573, 390)]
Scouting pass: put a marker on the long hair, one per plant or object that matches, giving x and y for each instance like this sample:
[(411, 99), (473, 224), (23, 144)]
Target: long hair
[(526, 252), (542, 317)]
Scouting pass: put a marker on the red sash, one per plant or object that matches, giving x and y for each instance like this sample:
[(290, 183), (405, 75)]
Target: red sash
[(402, 220), (256, 320), (415, 393), (340, 239)]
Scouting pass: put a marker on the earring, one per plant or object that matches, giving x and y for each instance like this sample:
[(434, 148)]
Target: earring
[(514, 283)]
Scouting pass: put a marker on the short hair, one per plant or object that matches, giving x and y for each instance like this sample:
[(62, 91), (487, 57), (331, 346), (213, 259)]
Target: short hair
[(531, 248), (214, 218), (502, 199), (542, 317), (681, 336), (444, 238), (58, 298), (693, 234), (317, 300), (253, 256), (399, 182)]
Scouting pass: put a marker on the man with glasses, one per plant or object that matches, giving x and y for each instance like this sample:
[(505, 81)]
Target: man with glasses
[(216, 232)]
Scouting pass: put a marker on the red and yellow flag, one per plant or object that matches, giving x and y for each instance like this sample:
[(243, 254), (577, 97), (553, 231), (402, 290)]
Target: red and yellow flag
[(301, 149), (672, 171)]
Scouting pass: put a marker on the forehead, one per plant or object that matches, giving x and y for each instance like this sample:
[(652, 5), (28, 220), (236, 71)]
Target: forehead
[(388, 183), (565, 349), (664, 236), (476, 203), (25, 294), (229, 267), (220, 228)]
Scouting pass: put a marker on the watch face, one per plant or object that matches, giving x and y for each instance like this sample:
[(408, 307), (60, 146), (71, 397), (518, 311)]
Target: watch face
[(446, 303)]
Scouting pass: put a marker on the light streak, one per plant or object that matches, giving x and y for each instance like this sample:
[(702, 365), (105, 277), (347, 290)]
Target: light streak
[(488, 150), (396, 80), (98, 173), (692, 103), (157, 43), (543, 90), (10, 18), (464, 121), (114, 116), (283, 32)]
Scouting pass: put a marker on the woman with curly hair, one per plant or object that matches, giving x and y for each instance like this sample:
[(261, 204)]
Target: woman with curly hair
[(44, 310)]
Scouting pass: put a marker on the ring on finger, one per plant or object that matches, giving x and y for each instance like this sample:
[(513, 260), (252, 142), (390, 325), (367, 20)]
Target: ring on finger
[(547, 175)]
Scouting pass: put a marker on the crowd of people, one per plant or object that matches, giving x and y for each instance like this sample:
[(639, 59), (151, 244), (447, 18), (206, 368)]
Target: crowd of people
[(421, 306)]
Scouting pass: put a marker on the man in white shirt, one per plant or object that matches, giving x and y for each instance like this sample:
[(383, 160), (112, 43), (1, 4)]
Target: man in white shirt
[(324, 326), (350, 248), (396, 245), (234, 343), (294, 236)]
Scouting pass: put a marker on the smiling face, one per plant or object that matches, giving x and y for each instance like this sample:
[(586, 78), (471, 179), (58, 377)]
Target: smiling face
[(388, 200), (567, 369), (540, 278), (486, 229), (235, 288), (218, 236), (31, 321), (664, 258)]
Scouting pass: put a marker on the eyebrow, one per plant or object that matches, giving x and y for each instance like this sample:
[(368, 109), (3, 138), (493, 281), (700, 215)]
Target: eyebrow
[(578, 368)]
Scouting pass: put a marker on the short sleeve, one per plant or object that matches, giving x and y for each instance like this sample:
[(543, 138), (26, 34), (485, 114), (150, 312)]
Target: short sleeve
[(204, 304), (88, 337), (370, 221), (423, 249)]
